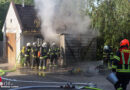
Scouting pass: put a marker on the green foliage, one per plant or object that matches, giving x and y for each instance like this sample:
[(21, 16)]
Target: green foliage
[(112, 19), (3, 11), (27, 2)]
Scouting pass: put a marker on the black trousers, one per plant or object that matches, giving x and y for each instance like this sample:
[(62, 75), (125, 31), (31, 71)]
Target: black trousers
[(53, 59), (124, 79), (43, 62), (34, 61), (27, 61)]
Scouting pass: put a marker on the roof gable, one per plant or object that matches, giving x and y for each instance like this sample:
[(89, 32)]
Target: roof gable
[(12, 21), (28, 18)]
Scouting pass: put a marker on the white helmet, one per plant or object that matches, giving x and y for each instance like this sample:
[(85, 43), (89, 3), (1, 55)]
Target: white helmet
[(106, 47), (28, 44), (34, 43), (44, 44), (53, 44)]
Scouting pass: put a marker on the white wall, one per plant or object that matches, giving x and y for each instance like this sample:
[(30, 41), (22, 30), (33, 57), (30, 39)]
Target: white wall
[(12, 25), (25, 39), (28, 37)]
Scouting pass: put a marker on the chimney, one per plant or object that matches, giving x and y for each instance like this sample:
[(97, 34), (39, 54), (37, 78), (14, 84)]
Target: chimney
[(23, 3)]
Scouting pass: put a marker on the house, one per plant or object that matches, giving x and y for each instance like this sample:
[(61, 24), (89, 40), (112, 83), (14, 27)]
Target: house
[(21, 26)]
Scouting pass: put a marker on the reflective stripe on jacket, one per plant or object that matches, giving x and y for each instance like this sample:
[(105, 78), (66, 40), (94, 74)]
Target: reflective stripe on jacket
[(124, 61), (26, 55), (43, 57)]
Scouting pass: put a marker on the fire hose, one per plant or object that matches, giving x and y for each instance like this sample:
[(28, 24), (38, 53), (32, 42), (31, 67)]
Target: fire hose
[(59, 85), (2, 72), (67, 86), (56, 87)]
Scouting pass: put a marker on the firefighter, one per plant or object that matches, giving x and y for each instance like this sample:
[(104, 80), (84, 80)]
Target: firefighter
[(23, 51), (27, 54), (38, 58), (57, 54), (107, 56), (22, 61), (54, 53), (122, 62), (43, 56), (34, 52)]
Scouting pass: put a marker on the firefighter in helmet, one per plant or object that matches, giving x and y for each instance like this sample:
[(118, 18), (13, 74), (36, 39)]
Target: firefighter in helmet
[(107, 56), (43, 56), (122, 62), (54, 53), (34, 52), (27, 54)]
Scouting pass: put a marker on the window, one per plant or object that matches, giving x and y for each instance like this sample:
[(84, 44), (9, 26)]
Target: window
[(10, 20)]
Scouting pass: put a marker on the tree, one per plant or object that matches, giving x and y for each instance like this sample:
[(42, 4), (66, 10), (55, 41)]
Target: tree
[(112, 19), (3, 11), (27, 2)]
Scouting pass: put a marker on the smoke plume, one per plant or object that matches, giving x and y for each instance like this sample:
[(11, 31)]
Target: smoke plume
[(64, 16)]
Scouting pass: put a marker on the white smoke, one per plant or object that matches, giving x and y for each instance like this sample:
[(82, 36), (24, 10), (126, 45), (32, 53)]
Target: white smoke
[(45, 12), (61, 16)]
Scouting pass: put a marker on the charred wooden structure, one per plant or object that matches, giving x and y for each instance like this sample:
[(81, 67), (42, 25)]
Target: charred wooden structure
[(76, 48)]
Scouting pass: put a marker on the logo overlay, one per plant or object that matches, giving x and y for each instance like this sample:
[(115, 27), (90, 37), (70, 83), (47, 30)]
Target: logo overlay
[(1, 81), (6, 84)]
